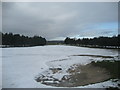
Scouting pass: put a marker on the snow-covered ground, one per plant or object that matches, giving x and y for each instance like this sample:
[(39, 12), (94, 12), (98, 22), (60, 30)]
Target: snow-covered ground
[(21, 65)]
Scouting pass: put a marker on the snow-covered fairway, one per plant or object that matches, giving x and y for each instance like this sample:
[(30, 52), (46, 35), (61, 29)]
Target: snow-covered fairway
[(22, 64)]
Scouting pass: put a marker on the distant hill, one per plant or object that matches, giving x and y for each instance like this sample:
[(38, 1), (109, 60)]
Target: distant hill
[(54, 42)]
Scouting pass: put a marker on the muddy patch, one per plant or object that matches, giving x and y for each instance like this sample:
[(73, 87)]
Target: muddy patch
[(88, 74), (76, 75)]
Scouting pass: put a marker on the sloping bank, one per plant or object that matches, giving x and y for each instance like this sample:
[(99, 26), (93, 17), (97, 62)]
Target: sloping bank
[(81, 75)]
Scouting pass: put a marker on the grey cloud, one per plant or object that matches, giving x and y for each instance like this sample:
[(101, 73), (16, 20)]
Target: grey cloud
[(56, 20)]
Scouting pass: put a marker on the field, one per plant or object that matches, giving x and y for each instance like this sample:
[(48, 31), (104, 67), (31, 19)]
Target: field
[(53, 66)]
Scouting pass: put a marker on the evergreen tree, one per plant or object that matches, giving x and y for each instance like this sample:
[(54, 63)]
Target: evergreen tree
[(21, 40), (100, 41)]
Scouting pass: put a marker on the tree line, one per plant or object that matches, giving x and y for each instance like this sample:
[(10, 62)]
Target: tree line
[(100, 41), (21, 40)]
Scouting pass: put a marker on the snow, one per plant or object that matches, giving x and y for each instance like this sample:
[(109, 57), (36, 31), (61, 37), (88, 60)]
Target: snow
[(51, 82), (105, 84), (22, 64)]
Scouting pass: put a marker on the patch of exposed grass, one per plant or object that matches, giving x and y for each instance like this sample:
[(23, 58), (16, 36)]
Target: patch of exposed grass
[(112, 66)]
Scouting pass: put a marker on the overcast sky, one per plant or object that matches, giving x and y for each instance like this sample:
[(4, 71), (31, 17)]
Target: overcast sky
[(57, 20)]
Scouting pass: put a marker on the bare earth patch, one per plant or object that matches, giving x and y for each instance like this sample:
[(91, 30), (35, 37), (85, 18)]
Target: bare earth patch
[(78, 76), (88, 74)]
